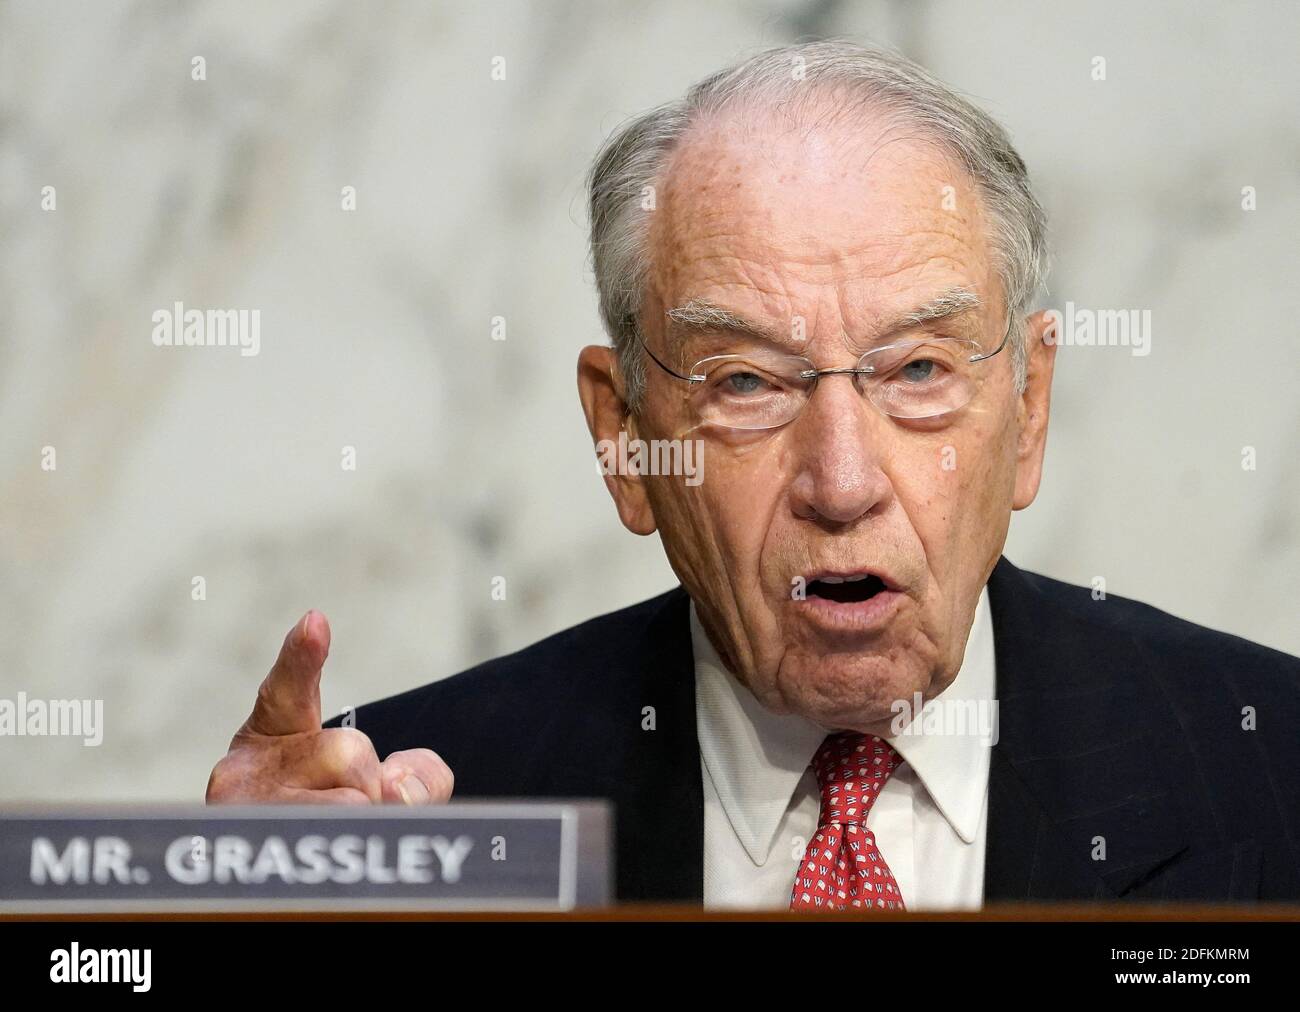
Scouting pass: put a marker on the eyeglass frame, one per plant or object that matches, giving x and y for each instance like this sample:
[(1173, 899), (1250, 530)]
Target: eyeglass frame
[(814, 375)]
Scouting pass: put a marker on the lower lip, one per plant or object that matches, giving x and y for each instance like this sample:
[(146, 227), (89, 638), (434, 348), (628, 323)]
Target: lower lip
[(867, 616)]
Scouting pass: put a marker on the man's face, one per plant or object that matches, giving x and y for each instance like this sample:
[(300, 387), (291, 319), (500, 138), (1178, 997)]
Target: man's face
[(825, 239)]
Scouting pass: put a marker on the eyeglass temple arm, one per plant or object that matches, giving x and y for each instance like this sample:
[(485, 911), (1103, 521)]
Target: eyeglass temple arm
[(1011, 321), (670, 372)]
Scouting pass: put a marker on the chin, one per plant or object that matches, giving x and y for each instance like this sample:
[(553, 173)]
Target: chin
[(858, 692)]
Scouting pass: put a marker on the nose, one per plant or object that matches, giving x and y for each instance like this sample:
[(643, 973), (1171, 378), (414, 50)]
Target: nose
[(839, 441)]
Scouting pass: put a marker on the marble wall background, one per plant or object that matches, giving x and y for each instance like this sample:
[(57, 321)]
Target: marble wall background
[(473, 459)]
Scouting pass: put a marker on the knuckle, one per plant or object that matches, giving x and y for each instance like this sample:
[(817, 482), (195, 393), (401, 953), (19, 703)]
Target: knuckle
[(230, 780), (217, 783), (265, 693), (349, 750), (443, 769), (435, 761), (436, 767)]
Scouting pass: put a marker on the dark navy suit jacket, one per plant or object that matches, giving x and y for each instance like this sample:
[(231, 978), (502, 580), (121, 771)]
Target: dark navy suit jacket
[(1115, 721)]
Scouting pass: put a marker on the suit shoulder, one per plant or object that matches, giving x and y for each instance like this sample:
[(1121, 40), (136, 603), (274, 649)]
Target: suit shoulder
[(1167, 641)]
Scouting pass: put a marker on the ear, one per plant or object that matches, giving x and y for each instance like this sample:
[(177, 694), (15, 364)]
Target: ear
[(600, 389), (1035, 404)]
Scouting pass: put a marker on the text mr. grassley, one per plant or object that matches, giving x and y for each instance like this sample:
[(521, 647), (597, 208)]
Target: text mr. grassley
[(311, 860)]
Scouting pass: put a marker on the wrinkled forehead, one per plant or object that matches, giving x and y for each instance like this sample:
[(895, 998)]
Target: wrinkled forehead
[(849, 222)]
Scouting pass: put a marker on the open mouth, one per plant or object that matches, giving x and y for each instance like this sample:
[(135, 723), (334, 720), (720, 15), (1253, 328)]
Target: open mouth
[(846, 589)]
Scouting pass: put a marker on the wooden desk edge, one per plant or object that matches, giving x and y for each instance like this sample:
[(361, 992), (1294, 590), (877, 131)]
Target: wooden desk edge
[(670, 913)]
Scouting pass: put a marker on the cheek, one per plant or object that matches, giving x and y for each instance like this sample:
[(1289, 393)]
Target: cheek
[(722, 524), (956, 491), (739, 499), (996, 482), (928, 487)]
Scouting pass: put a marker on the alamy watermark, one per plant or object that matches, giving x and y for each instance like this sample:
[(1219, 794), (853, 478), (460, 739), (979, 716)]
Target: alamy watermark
[(1088, 328), (657, 457), (60, 718), (75, 965), (179, 327), (941, 717)]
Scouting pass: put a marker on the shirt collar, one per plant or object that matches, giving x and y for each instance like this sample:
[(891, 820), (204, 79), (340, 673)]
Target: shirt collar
[(756, 758)]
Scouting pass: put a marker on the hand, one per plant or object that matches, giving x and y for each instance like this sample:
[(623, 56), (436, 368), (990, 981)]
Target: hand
[(283, 755)]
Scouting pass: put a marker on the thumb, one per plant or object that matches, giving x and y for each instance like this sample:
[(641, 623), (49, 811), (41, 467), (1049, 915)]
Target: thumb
[(288, 700), (416, 776)]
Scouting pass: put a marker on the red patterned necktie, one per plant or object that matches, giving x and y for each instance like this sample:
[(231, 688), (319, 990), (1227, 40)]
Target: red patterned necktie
[(842, 866)]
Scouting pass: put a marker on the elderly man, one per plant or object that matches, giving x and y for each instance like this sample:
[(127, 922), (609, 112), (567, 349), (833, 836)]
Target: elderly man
[(818, 268)]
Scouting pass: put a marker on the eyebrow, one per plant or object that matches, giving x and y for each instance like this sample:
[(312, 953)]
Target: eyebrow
[(699, 315)]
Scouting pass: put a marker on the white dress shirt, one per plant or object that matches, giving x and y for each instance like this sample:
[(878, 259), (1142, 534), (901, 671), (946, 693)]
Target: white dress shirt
[(761, 801)]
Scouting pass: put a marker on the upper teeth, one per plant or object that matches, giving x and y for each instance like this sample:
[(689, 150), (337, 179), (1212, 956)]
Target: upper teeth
[(843, 579)]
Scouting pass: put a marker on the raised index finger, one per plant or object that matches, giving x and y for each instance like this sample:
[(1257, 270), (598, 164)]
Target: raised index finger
[(288, 700)]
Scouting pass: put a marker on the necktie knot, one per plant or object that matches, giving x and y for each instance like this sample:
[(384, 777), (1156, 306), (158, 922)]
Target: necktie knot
[(851, 770), (842, 866)]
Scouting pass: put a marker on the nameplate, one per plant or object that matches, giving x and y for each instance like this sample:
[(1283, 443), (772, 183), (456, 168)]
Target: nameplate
[(524, 855)]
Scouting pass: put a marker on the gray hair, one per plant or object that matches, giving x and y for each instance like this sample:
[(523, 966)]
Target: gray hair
[(632, 160)]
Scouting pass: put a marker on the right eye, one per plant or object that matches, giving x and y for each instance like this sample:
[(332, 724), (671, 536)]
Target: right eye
[(743, 383)]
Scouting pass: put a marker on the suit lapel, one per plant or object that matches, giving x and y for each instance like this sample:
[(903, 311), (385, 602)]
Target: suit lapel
[(659, 793), (1080, 803), (1026, 856)]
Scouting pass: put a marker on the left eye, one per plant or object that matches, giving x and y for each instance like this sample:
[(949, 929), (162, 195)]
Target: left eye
[(919, 371)]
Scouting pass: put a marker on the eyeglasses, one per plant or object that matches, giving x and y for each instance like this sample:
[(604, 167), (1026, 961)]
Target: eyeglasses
[(764, 389)]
